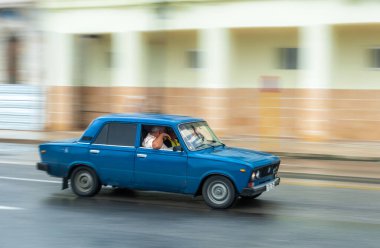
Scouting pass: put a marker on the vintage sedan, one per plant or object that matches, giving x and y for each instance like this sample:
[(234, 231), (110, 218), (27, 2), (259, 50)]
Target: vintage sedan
[(190, 160)]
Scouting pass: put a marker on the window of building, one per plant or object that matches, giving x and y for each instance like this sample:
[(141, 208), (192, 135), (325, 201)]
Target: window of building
[(193, 58), (374, 54), (288, 58), (119, 134)]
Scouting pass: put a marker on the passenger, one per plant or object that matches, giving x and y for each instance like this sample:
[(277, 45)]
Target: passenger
[(172, 141), (155, 139)]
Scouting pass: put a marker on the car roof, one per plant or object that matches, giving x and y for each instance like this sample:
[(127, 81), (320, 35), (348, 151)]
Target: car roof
[(149, 118)]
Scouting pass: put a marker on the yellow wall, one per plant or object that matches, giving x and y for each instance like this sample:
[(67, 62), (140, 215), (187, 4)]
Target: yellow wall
[(350, 67), (167, 59), (255, 54), (92, 61)]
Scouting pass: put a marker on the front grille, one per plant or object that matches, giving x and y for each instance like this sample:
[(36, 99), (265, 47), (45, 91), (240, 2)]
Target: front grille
[(268, 170)]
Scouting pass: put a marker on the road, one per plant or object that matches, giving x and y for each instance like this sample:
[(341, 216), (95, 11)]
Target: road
[(34, 212)]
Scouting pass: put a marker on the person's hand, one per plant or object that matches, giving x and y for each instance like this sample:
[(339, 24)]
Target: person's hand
[(165, 135)]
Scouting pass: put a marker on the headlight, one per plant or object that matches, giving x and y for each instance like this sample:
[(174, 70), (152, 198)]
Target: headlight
[(253, 175), (258, 174)]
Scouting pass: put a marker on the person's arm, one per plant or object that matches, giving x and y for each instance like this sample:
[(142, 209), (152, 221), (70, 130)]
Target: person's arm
[(157, 143)]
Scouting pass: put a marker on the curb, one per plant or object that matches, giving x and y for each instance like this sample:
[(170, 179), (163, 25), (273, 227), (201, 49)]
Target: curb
[(329, 178), (324, 157)]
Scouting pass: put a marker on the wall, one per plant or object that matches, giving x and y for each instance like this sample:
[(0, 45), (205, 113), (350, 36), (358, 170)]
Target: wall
[(255, 55), (348, 108), (166, 59), (92, 60), (351, 60)]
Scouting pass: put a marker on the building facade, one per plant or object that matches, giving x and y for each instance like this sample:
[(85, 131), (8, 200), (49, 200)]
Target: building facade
[(22, 105), (297, 69)]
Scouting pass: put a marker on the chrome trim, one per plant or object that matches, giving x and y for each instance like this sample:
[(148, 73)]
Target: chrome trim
[(140, 155), (277, 179), (161, 150), (94, 151), (148, 148), (113, 145)]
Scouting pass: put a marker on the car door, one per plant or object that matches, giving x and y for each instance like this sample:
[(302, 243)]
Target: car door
[(160, 169), (113, 153)]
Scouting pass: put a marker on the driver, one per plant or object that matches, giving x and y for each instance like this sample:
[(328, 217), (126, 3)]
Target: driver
[(155, 139)]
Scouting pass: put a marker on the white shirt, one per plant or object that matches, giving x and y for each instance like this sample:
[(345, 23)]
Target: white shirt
[(148, 142)]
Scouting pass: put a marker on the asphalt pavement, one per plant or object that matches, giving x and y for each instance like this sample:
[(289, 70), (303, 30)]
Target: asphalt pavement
[(34, 212), (318, 169)]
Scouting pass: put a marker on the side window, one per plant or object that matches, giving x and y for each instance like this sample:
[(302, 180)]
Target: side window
[(119, 134), (150, 132), (102, 137)]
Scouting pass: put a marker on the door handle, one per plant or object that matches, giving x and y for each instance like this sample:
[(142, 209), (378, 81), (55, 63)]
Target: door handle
[(94, 151), (140, 155)]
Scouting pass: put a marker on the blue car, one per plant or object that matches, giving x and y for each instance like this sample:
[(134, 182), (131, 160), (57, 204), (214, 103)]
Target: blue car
[(159, 152)]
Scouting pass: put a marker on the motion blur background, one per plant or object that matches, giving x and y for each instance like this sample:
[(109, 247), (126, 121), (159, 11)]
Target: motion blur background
[(296, 78), (303, 70)]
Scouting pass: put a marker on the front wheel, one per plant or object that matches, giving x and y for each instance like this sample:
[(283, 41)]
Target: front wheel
[(219, 192), (84, 182)]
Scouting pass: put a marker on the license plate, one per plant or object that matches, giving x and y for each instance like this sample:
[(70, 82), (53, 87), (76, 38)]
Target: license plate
[(270, 186)]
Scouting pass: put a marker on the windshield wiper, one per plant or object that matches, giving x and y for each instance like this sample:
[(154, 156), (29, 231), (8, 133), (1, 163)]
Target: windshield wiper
[(215, 141), (196, 148)]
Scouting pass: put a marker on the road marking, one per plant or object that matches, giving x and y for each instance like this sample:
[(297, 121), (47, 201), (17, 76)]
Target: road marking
[(10, 208), (329, 184), (17, 163), (29, 180), (286, 181), (24, 163)]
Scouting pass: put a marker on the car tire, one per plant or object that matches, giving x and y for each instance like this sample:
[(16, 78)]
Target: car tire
[(219, 192), (251, 197), (85, 182)]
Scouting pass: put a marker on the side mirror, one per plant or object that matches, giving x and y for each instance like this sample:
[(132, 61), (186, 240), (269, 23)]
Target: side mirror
[(177, 149)]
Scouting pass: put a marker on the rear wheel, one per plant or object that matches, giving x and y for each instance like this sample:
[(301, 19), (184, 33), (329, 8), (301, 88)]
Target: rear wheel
[(85, 182), (219, 192)]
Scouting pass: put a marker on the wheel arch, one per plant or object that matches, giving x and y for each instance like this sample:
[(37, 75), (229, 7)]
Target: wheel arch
[(211, 174), (75, 165)]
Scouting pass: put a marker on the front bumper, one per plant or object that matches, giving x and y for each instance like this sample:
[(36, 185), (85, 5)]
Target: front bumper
[(259, 188), (42, 166)]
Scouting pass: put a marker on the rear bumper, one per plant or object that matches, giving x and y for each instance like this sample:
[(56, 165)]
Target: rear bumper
[(42, 166), (259, 188)]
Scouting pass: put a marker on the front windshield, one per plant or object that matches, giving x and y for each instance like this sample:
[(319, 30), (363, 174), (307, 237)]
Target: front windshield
[(198, 135)]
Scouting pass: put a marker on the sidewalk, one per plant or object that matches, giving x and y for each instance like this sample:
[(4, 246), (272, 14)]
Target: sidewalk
[(35, 137), (293, 148), (285, 147)]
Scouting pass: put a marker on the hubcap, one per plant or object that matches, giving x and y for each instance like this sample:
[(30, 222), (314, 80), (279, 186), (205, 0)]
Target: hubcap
[(84, 181), (218, 192)]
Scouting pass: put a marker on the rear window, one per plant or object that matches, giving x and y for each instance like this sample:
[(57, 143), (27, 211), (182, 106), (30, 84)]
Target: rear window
[(119, 134)]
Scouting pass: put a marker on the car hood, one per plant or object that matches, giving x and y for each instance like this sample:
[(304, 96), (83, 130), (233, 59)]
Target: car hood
[(241, 156)]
